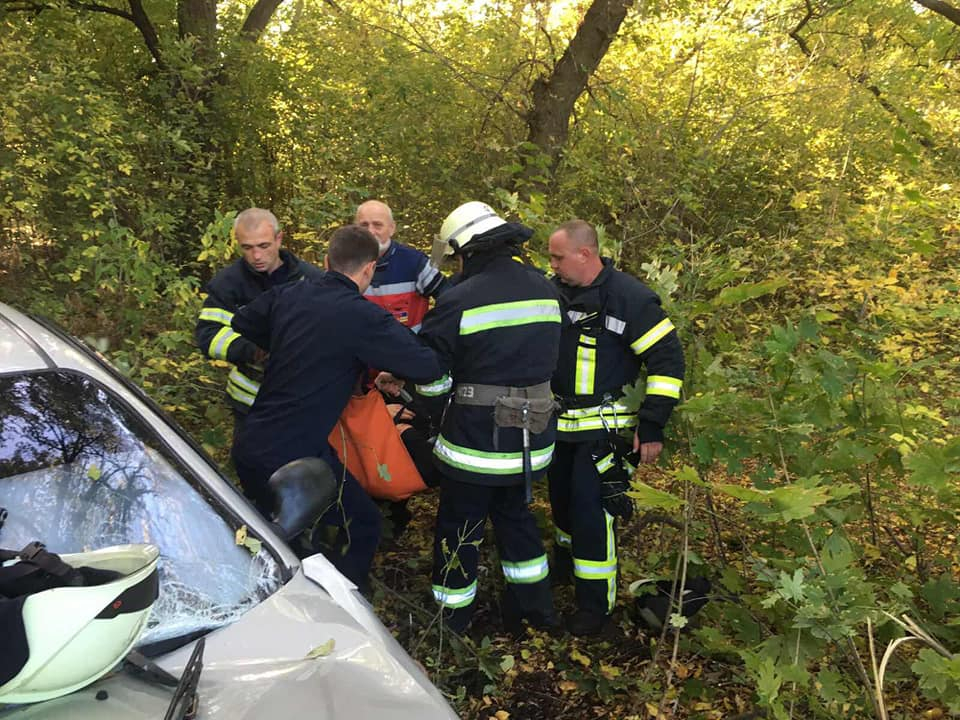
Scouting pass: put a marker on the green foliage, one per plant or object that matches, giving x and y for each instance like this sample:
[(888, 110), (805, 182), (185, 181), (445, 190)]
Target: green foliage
[(796, 213)]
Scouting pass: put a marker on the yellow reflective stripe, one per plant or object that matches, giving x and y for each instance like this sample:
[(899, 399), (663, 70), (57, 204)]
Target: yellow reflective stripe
[(243, 382), (586, 366), (615, 422), (221, 343), (440, 386), (489, 463), (604, 464), (562, 539), (217, 315), (605, 569), (608, 410), (240, 395), (652, 336), (509, 314), (455, 597), (526, 571), (664, 385)]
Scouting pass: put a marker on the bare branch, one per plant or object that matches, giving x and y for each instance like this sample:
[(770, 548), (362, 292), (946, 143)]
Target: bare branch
[(947, 10), (139, 17)]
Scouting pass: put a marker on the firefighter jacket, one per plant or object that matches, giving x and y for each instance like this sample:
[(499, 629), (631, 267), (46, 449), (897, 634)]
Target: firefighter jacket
[(229, 290), (321, 335), (403, 284), (616, 326), (500, 325)]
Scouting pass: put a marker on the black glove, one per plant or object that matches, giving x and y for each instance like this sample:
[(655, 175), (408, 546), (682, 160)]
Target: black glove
[(614, 484)]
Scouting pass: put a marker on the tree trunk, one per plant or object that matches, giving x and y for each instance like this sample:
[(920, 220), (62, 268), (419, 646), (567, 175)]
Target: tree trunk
[(554, 97), (198, 19)]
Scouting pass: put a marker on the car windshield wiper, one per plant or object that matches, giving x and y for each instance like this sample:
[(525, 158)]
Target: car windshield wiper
[(185, 698)]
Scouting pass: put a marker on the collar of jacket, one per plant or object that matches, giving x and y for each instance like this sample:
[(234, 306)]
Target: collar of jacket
[(287, 259), (384, 259), (334, 276)]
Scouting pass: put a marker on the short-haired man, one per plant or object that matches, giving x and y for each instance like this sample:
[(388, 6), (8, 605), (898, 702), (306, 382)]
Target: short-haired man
[(405, 279), (264, 264), (321, 336), (616, 328)]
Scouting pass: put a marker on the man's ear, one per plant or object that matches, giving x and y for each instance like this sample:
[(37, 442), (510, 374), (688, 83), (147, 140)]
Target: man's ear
[(279, 237)]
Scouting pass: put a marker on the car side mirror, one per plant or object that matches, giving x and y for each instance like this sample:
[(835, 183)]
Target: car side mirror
[(303, 490)]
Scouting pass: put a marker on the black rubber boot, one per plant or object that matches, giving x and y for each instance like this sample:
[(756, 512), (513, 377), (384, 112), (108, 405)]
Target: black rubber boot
[(584, 623)]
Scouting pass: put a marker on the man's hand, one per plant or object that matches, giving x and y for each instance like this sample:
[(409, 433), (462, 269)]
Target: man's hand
[(387, 383), (260, 356), (648, 451)]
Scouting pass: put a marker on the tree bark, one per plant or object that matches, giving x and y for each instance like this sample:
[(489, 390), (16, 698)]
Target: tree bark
[(548, 121), (198, 19), (947, 10), (258, 18)]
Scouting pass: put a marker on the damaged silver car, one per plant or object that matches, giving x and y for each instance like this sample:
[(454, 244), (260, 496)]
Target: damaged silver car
[(241, 628)]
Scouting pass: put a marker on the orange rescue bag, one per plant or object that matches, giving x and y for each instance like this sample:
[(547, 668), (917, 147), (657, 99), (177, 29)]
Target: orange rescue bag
[(368, 443)]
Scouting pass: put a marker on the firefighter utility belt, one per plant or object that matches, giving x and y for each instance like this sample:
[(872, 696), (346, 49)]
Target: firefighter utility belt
[(528, 407)]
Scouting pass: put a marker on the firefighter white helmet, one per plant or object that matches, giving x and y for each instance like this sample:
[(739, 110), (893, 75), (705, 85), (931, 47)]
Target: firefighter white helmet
[(65, 637), (467, 221)]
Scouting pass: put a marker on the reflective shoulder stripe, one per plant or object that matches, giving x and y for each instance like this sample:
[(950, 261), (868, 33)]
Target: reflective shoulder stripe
[(489, 463), (221, 343), (217, 315), (392, 289), (652, 336), (526, 571), (440, 386), (455, 597), (664, 385), (614, 325), (426, 276), (522, 312)]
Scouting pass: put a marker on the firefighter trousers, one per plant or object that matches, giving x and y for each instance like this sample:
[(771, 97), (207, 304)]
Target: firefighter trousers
[(461, 520), (585, 534)]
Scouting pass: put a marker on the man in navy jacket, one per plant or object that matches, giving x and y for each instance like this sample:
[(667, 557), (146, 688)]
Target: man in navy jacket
[(321, 336)]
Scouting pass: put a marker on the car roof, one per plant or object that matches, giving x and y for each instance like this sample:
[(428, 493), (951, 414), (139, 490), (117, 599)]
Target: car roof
[(28, 343)]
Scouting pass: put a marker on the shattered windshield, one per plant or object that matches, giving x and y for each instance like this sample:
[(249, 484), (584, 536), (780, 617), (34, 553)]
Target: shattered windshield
[(80, 471)]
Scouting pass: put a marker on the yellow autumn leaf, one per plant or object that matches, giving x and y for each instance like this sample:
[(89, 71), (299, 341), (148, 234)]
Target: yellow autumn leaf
[(501, 715), (579, 657)]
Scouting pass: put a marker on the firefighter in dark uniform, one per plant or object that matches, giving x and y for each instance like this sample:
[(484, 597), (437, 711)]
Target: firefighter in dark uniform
[(616, 327), (322, 336), (264, 264), (497, 333)]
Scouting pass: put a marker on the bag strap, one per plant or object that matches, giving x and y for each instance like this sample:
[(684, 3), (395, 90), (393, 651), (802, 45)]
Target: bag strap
[(481, 395)]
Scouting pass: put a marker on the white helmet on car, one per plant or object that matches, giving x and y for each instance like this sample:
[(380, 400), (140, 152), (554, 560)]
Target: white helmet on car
[(466, 222), (68, 620)]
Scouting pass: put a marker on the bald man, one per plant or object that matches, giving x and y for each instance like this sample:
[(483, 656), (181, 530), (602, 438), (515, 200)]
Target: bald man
[(405, 279), (616, 330)]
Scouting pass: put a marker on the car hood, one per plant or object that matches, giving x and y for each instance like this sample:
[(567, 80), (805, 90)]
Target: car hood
[(299, 651)]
